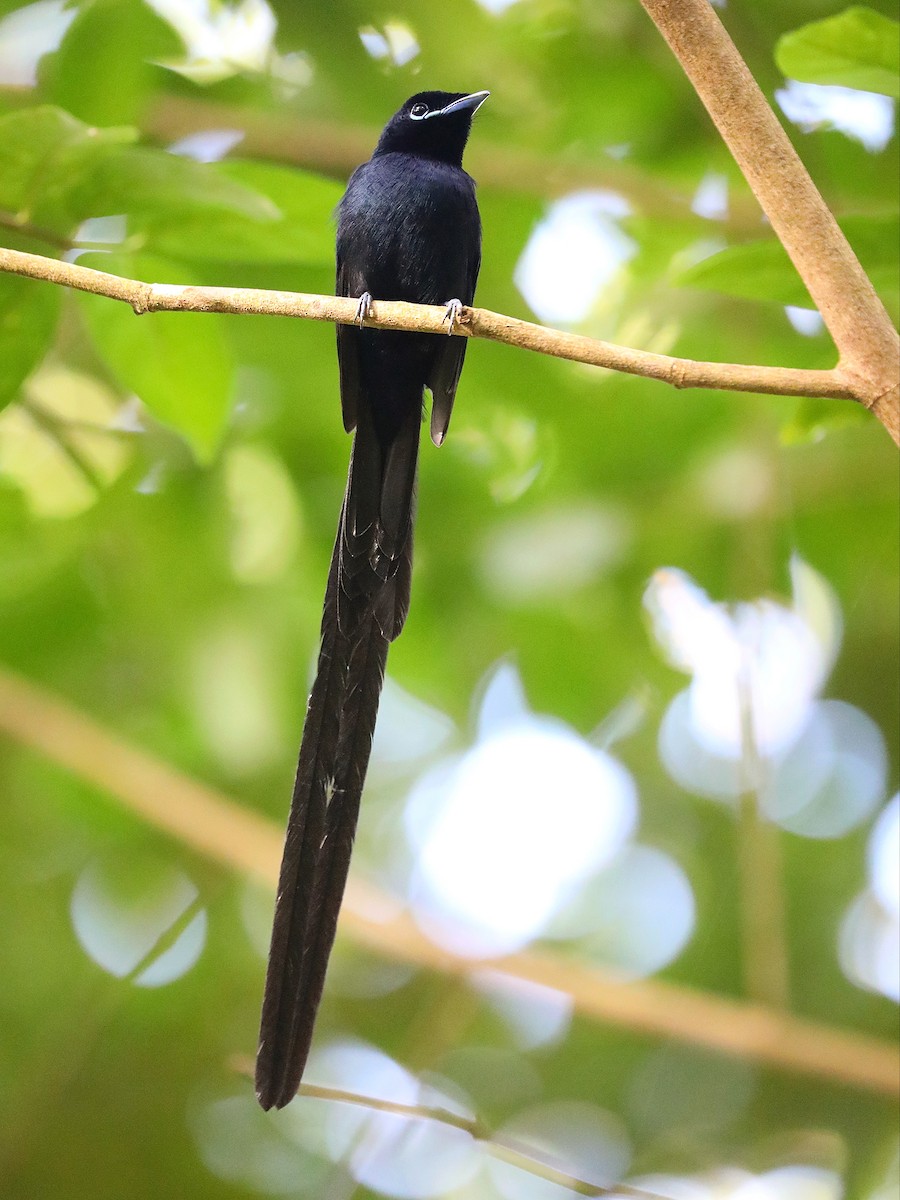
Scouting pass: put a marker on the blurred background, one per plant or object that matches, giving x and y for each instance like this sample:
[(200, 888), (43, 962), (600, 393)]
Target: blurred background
[(643, 721)]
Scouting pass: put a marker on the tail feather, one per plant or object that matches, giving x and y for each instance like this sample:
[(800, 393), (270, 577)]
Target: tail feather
[(366, 603), (305, 832), (366, 675), (377, 523)]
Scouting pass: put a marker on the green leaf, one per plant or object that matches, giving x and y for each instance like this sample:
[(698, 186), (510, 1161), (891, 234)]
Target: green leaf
[(302, 234), (57, 171), (120, 39), (42, 150), (28, 314), (754, 271), (858, 48), (179, 364), (813, 419), (762, 270), (155, 187)]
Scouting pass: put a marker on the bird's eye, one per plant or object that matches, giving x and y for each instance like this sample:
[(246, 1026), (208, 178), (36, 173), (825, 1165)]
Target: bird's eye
[(418, 111)]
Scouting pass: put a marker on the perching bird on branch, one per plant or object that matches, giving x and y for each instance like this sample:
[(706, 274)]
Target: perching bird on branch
[(408, 229)]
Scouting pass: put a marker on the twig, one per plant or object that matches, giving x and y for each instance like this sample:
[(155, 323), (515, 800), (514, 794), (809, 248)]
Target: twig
[(514, 1152), (61, 432), (474, 322), (208, 822), (868, 344), (337, 148), (13, 221), (766, 960)]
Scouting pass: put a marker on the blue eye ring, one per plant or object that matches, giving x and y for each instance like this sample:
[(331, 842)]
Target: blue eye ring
[(418, 112)]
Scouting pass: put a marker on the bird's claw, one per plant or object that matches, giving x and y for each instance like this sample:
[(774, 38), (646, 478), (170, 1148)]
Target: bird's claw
[(362, 308), (453, 313)]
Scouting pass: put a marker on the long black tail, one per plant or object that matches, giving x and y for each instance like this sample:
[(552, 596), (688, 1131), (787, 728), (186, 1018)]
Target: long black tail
[(365, 605)]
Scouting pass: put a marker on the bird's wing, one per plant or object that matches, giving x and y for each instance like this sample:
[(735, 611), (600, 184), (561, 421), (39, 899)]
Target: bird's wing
[(448, 362), (348, 284)]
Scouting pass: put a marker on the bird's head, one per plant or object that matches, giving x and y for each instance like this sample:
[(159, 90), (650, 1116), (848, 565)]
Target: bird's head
[(432, 125)]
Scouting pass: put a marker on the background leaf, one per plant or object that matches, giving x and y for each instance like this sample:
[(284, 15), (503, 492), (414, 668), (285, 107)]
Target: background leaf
[(29, 311), (154, 187), (179, 364), (294, 228), (762, 270), (858, 48), (119, 39), (42, 151)]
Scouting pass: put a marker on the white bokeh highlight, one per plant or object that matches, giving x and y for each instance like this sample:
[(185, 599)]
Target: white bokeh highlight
[(633, 918), (884, 857), (497, 7), (751, 719), (796, 1181), (711, 197), (754, 666), (220, 39), (537, 558), (529, 834), (243, 1146), (394, 42), (867, 117), (575, 252), (832, 778), (513, 827), (394, 1155), (535, 1015), (408, 730), (26, 35), (504, 834), (121, 908), (587, 1141), (869, 938), (807, 321), (207, 145)]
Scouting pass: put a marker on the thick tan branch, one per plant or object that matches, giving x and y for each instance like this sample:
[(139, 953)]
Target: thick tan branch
[(475, 322), (230, 835), (867, 342)]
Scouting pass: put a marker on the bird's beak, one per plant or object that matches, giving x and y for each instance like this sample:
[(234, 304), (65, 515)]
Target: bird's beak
[(470, 103)]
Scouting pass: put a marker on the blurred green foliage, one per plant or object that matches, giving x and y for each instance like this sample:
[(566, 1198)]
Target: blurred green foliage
[(169, 487), (761, 270), (857, 48)]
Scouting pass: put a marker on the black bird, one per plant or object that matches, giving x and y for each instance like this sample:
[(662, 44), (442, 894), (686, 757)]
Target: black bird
[(408, 229)]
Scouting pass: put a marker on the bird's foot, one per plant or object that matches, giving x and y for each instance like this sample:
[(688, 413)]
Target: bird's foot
[(362, 308), (453, 313)]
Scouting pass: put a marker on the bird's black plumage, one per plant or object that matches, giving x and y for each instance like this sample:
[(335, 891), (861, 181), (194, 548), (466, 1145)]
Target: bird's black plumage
[(408, 229)]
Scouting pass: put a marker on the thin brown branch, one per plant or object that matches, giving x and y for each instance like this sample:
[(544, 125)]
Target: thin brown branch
[(868, 344), (210, 823), (526, 1158), (14, 222), (335, 148), (765, 946), (474, 322), (515, 1153), (61, 432)]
